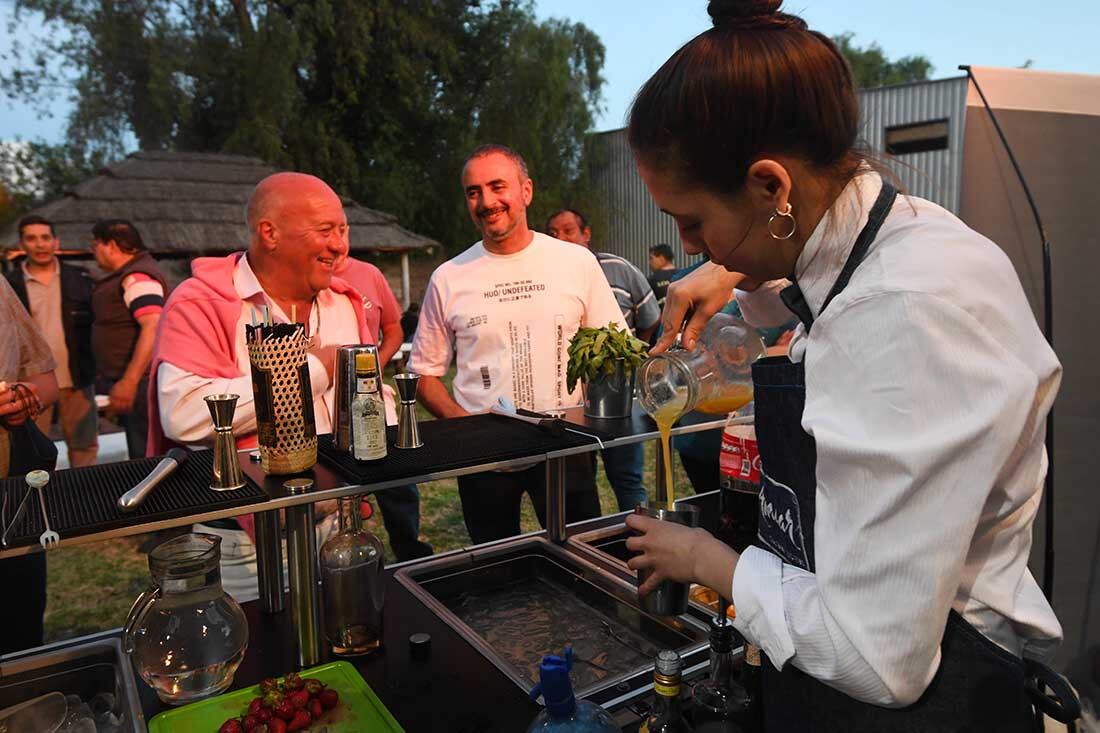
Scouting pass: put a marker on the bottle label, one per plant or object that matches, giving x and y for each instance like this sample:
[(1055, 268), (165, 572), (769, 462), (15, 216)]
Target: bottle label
[(366, 384), (739, 459), (666, 690), (368, 428)]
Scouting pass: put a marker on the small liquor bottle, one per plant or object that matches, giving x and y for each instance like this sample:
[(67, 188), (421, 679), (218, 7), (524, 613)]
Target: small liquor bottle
[(667, 715), (368, 411)]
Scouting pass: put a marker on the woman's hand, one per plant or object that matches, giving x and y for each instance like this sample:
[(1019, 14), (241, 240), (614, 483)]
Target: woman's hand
[(699, 295), (683, 554)]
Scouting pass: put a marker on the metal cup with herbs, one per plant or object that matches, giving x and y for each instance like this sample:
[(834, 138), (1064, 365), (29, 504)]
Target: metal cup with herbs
[(604, 361)]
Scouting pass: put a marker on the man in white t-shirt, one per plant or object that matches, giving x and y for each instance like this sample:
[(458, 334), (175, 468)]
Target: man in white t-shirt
[(505, 310)]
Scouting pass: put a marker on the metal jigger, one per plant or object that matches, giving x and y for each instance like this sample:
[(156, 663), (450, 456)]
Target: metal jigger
[(227, 466), (408, 434)]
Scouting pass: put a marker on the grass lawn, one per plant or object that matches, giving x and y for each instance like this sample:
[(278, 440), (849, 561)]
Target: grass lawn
[(91, 587)]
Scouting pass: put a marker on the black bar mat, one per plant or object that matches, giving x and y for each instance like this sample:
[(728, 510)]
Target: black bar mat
[(84, 500), (453, 444)]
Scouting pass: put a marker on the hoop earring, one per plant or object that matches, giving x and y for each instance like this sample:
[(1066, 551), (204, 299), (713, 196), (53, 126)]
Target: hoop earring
[(782, 215)]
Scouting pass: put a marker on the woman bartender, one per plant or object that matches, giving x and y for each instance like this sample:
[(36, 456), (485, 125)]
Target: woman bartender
[(902, 441)]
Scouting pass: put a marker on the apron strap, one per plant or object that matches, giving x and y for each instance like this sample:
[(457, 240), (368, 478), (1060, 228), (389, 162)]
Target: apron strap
[(792, 295), (1061, 703)]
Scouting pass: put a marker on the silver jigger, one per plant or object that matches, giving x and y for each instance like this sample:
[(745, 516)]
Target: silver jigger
[(226, 471), (408, 434)]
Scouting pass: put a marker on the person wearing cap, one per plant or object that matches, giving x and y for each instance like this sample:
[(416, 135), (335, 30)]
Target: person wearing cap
[(901, 439)]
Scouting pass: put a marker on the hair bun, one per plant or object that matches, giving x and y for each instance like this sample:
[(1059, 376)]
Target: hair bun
[(746, 14)]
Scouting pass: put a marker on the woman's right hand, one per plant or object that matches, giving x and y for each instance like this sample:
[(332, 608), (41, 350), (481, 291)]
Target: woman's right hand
[(696, 298)]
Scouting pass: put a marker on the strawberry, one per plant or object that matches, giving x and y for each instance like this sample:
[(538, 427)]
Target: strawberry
[(251, 722), (268, 685), (298, 698), (277, 725), (301, 721), (265, 714), (293, 682), (284, 710), (329, 698), (261, 728), (273, 698), (314, 686), (315, 708), (231, 726), (255, 705)]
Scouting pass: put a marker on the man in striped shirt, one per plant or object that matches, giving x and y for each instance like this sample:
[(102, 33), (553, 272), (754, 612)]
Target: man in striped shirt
[(635, 297), (127, 304)]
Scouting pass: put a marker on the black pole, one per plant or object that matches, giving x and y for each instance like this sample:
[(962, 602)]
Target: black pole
[(1048, 331)]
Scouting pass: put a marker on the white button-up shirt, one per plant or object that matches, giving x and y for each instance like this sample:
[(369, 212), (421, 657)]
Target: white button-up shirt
[(928, 383), (186, 418)]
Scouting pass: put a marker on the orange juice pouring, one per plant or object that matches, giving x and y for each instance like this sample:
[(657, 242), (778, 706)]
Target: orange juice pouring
[(714, 377)]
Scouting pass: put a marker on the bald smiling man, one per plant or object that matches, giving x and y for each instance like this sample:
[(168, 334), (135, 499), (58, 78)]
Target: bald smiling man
[(297, 232)]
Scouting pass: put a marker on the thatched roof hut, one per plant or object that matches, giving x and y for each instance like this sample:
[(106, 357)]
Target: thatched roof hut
[(191, 204)]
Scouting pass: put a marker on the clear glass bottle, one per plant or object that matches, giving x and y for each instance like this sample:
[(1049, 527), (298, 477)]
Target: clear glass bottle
[(564, 713), (714, 377), (352, 562), (667, 715), (719, 702), (368, 411), (186, 635)]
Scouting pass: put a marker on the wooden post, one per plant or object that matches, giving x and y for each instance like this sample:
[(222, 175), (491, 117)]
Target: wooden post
[(406, 296)]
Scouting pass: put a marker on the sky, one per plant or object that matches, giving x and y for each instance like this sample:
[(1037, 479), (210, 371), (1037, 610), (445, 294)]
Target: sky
[(640, 34)]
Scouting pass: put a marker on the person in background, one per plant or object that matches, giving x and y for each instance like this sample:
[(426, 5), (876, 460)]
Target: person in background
[(506, 309), (661, 269), (624, 465), (901, 439), (409, 319), (400, 505), (27, 385), (126, 305), (59, 298)]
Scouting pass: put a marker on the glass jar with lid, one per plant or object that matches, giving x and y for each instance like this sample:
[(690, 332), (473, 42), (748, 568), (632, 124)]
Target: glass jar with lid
[(185, 634)]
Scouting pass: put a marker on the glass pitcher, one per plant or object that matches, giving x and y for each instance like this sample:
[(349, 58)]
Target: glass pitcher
[(352, 562), (714, 377), (185, 634)]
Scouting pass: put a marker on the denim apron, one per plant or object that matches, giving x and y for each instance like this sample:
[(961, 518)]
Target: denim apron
[(979, 686)]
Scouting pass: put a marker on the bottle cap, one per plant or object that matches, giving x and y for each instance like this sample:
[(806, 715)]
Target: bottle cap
[(555, 686), (721, 635), (668, 662), (420, 645)]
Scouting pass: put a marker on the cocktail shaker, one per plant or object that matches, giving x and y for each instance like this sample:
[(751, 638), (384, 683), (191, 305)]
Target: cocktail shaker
[(342, 435)]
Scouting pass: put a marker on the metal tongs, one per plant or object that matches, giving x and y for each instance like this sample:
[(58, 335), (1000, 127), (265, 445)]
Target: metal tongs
[(9, 526), (553, 425)]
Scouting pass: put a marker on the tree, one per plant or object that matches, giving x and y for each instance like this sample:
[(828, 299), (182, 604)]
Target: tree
[(382, 99), (872, 68)]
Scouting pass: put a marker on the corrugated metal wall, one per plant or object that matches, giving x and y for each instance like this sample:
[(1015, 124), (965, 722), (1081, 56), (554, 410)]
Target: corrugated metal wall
[(635, 223), (933, 175)]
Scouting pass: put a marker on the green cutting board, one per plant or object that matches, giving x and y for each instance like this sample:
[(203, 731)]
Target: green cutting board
[(359, 709)]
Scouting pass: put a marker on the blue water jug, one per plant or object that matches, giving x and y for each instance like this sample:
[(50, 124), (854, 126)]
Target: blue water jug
[(564, 713)]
